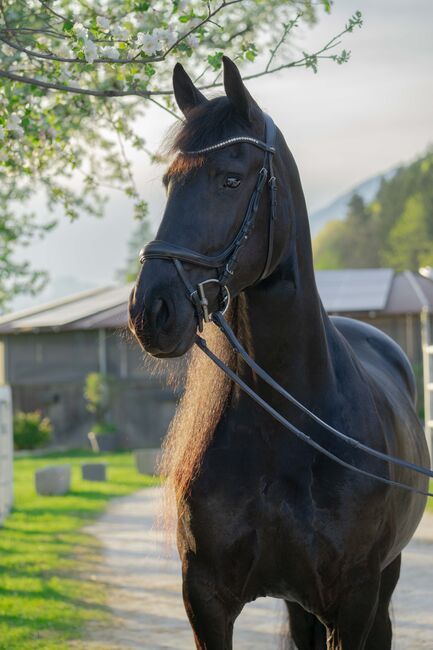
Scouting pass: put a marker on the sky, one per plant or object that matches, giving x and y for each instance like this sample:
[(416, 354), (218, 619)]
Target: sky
[(343, 125)]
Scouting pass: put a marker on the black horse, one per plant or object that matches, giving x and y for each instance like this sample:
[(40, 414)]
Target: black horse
[(259, 512)]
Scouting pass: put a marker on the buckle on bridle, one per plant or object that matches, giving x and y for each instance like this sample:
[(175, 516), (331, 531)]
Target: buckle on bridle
[(204, 303)]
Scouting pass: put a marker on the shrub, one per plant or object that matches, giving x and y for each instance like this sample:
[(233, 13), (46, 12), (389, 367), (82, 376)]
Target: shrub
[(31, 430), (104, 427), (98, 393)]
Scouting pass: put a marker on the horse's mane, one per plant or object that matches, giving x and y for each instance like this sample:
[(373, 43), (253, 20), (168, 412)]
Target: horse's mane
[(207, 124), (206, 394), (207, 388)]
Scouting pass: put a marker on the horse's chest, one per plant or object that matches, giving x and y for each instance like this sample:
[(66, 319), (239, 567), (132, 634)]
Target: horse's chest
[(263, 538)]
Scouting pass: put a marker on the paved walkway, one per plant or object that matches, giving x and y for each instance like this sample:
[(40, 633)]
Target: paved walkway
[(144, 588)]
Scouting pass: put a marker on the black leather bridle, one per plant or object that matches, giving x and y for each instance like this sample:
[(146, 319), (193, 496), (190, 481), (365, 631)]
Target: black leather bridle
[(225, 264)]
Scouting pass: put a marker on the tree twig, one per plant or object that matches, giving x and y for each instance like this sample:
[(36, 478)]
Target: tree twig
[(74, 89), (165, 108)]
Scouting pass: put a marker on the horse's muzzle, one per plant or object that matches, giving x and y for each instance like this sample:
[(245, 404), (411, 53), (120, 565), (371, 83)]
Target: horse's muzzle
[(162, 327)]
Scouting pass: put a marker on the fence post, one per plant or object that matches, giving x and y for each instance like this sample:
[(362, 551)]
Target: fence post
[(427, 354), (6, 452)]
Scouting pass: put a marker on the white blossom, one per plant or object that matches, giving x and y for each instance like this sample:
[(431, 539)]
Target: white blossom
[(81, 31), (13, 124), (133, 52), (110, 52), (90, 51), (65, 51), (166, 37), (149, 43), (120, 32), (193, 40), (8, 51), (65, 73), (103, 22), (2, 133)]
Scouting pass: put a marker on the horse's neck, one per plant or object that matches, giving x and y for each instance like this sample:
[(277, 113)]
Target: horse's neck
[(284, 325)]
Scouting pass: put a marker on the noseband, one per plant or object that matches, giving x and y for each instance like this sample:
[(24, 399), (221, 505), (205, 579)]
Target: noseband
[(225, 265), (225, 262)]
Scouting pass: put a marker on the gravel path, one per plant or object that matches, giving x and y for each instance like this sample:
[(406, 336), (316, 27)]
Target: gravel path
[(144, 588)]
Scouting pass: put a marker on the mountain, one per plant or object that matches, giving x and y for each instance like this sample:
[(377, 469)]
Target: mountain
[(337, 209)]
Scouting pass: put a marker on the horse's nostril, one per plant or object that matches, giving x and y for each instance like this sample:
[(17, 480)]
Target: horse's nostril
[(159, 314)]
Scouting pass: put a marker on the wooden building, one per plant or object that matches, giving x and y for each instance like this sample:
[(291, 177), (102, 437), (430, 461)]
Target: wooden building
[(400, 304), (46, 353)]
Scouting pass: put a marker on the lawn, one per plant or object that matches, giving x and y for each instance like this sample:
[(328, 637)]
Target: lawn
[(430, 500), (47, 593)]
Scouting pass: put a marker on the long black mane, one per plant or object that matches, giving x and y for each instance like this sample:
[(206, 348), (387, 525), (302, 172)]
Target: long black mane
[(205, 125)]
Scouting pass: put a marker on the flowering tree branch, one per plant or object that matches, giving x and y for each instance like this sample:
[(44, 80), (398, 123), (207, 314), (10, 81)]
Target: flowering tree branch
[(75, 76)]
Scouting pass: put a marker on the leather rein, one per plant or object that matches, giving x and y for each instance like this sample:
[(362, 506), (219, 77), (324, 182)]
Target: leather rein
[(225, 264)]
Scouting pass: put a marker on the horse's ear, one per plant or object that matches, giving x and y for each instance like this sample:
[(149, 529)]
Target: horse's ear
[(236, 91), (186, 94)]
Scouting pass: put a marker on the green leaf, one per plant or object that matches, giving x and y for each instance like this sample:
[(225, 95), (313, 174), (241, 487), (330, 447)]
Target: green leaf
[(215, 60), (68, 25), (149, 69)]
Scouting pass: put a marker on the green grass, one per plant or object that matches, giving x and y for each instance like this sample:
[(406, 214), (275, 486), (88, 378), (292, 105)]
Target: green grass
[(47, 594), (430, 500)]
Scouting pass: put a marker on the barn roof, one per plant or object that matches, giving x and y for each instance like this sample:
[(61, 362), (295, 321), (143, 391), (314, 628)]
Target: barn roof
[(349, 291), (104, 307), (354, 289)]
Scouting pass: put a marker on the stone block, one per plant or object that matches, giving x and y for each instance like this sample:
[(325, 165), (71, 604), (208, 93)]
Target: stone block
[(54, 480), (146, 461), (94, 471)]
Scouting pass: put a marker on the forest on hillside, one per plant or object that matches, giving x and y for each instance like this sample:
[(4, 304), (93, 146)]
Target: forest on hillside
[(394, 230)]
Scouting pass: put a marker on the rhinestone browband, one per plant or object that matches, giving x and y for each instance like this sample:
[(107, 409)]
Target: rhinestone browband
[(230, 141)]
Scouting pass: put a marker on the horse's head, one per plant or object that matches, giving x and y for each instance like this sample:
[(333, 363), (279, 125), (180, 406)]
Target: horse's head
[(218, 224)]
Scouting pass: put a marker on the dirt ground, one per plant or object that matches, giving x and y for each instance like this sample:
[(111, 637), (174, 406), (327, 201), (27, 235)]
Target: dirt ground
[(144, 588)]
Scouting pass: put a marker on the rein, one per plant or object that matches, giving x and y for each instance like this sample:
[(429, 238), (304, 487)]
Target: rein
[(225, 264), (220, 321)]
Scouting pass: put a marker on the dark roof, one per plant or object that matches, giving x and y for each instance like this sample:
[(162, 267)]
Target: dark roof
[(349, 291), (410, 292), (352, 290), (105, 307)]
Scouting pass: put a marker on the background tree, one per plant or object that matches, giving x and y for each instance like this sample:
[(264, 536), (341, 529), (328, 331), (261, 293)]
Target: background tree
[(394, 230), (409, 243), (76, 75), (141, 235), (348, 244)]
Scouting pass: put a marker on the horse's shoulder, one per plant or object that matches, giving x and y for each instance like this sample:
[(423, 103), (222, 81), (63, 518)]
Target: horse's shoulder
[(376, 351)]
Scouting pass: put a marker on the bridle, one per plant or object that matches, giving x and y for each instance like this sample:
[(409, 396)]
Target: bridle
[(225, 265), (225, 262)]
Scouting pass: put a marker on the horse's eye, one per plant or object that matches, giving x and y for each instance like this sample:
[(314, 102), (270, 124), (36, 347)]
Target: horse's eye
[(232, 182)]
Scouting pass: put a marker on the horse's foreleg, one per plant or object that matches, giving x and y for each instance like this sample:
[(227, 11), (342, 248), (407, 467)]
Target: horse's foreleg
[(211, 614), (355, 614), (306, 631), (380, 637)]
